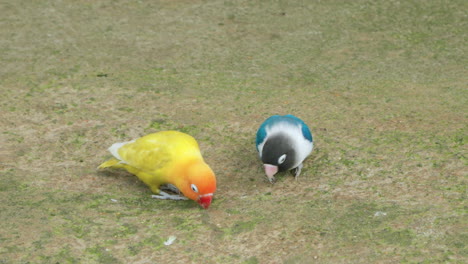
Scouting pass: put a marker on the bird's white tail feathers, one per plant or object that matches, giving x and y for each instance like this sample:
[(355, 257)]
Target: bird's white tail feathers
[(114, 149)]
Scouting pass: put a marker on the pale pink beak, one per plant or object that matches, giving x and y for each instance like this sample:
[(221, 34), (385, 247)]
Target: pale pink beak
[(205, 200), (270, 170)]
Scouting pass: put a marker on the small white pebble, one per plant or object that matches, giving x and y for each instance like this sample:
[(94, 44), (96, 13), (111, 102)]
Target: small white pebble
[(114, 200), (170, 240), (379, 213)]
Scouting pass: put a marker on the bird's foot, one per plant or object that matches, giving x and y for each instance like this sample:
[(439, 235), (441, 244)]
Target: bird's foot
[(297, 171), (165, 196), (170, 187)]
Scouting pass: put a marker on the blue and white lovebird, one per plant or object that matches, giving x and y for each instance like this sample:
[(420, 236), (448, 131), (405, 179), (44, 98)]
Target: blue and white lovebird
[(283, 143)]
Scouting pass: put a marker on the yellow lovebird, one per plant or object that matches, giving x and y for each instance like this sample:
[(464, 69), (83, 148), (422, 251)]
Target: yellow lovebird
[(167, 159)]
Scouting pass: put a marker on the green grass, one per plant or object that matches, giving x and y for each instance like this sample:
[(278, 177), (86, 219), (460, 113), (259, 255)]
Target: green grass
[(381, 84)]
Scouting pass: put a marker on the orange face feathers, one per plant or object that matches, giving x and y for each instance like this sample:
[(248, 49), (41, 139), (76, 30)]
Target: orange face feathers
[(199, 183)]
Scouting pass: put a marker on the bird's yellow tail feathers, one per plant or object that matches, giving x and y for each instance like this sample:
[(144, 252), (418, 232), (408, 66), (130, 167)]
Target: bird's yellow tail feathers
[(110, 163)]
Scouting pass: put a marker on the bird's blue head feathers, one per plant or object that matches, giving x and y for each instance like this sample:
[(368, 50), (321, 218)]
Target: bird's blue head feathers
[(276, 120)]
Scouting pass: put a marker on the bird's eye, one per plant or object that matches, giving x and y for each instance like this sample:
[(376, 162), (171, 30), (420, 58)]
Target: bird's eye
[(194, 188), (282, 159)]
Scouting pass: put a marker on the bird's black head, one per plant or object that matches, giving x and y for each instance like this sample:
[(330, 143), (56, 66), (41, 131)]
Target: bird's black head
[(278, 150)]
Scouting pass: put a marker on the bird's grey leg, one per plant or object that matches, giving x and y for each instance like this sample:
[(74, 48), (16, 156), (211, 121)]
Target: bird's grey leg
[(297, 171), (165, 196), (170, 187)]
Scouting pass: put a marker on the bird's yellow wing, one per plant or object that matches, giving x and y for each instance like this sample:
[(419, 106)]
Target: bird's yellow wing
[(159, 150), (146, 155)]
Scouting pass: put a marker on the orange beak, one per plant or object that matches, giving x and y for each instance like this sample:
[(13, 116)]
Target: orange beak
[(205, 200)]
